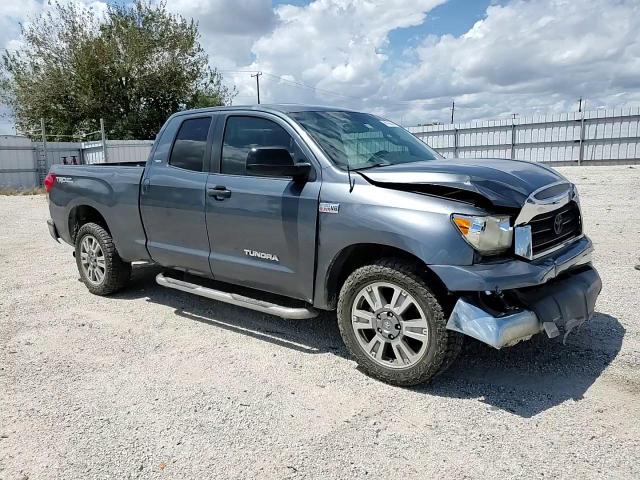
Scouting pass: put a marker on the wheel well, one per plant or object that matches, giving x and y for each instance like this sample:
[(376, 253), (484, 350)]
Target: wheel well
[(84, 214), (356, 256)]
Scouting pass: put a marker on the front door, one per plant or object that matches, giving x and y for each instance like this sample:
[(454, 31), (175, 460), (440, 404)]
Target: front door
[(173, 196), (262, 229)]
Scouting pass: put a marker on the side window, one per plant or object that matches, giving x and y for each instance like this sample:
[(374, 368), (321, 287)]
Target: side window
[(163, 146), (190, 144), (244, 133)]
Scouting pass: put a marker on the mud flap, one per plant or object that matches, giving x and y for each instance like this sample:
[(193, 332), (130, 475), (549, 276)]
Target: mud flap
[(567, 302)]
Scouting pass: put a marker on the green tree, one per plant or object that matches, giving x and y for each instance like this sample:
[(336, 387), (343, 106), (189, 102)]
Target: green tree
[(133, 66)]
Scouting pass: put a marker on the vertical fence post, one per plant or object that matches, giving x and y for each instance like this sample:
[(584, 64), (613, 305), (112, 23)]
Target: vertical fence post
[(455, 142), (36, 164), (42, 161), (104, 141), (581, 152)]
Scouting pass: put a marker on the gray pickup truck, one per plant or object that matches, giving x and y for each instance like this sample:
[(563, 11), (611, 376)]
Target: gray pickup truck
[(289, 209)]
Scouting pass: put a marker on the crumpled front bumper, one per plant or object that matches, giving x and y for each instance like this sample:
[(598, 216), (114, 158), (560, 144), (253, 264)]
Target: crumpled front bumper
[(555, 293), (514, 273), (556, 307)]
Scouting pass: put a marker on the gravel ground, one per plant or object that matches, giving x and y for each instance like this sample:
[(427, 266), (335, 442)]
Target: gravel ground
[(153, 383)]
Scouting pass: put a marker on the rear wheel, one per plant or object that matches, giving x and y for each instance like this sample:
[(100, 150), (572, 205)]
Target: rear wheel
[(101, 268), (393, 324)]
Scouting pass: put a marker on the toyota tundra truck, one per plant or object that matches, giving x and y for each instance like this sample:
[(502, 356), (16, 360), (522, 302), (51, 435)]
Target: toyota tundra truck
[(289, 209)]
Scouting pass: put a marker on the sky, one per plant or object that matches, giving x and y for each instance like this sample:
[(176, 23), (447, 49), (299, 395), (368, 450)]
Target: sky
[(409, 59)]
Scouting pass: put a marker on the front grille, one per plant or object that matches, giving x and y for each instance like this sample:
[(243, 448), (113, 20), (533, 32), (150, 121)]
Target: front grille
[(548, 231)]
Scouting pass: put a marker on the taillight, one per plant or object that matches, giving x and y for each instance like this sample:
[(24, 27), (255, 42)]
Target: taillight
[(49, 181)]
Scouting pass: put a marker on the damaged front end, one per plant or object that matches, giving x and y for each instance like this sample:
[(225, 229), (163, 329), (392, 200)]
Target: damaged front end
[(504, 319), (532, 267)]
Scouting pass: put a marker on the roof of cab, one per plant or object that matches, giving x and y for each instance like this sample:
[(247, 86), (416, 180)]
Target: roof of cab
[(277, 107)]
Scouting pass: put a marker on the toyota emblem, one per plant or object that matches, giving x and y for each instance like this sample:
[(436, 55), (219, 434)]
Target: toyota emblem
[(558, 224)]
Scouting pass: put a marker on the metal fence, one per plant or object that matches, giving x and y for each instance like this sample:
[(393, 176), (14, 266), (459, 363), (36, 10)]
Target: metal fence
[(588, 138), (579, 138), (24, 163)]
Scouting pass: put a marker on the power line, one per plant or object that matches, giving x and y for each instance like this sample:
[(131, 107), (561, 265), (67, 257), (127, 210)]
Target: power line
[(304, 85), (300, 84), (293, 82), (359, 99)]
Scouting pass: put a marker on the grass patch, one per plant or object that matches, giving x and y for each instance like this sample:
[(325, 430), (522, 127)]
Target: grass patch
[(22, 191)]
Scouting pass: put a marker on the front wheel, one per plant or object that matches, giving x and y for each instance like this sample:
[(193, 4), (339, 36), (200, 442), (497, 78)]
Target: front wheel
[(99, 264), (393, 324)]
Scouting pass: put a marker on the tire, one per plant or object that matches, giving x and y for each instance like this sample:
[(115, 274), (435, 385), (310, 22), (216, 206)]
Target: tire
[(102, 274), (409, 350)]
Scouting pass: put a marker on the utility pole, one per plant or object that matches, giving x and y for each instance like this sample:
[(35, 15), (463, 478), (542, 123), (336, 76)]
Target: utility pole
[(453, 108), (257, 75), (580, 104)]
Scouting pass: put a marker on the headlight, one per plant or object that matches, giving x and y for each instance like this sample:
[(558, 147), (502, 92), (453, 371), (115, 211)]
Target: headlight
[(575, 194), (487, 234)]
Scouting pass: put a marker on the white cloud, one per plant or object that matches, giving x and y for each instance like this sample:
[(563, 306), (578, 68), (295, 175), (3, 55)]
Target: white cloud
[(333, 45), (523, 56), (229, 29), (16, 12), (12, 13), (531, 55)]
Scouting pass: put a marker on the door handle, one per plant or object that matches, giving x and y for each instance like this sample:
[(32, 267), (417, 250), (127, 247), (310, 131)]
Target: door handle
[(219, 192), (146, 183)]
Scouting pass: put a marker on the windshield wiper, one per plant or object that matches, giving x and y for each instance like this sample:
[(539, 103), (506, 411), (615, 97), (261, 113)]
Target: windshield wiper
[(378, 164)]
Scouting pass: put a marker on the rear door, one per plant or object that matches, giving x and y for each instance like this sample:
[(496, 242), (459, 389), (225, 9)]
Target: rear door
[(172, 197), (262, 229)]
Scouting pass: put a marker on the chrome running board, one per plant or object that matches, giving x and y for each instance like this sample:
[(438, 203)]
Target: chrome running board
[(291, 313)]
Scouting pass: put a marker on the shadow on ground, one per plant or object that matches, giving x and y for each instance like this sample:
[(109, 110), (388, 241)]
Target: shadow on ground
[(526, 379), (533, 376)]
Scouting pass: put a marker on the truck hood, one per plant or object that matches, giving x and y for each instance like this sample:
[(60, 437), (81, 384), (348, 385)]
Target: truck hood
[(504, 183)]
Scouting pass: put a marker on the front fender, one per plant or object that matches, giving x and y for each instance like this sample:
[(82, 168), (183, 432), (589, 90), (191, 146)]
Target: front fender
[(414, 223)]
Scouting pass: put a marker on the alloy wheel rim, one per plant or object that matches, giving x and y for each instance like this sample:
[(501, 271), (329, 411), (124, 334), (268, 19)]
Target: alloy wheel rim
[(92, 260), (389, 324)]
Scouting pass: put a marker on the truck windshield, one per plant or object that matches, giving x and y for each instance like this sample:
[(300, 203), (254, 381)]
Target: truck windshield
[(360, 140)]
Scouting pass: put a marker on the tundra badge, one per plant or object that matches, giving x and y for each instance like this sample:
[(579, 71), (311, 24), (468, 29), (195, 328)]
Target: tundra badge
[(329, 207), (264, 256)]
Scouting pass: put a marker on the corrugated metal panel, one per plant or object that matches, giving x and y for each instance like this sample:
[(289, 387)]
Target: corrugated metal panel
[(607, 136), (17, 162), (117, 151), (92, 152), (69, 153), (128, 150), (19, 156)]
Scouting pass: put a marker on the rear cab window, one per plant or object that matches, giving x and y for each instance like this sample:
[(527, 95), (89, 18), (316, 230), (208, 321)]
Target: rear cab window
[(190, 144)]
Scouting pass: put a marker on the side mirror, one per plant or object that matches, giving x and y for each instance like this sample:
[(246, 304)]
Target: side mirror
[(276, 162)]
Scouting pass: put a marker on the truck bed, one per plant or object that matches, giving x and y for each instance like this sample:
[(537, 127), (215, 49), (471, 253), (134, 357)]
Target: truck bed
[(111, 189)]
